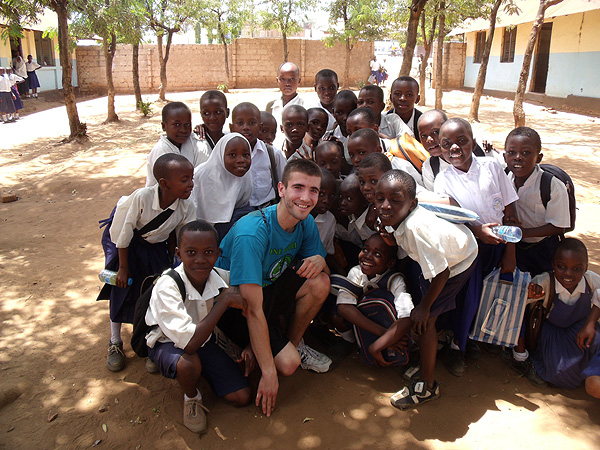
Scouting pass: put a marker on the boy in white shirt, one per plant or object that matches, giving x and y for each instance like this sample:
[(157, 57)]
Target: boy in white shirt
[(390, 125), (288, 80), (181, 343)]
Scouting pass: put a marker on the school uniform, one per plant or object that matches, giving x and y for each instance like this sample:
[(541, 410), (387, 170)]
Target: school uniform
[(276, 108), (359, 224), (331, 122), (337, 133), (428, 174), (534, 254), (436, 245), (147, 253), (303, 152), (193, 149), (406, 166), (412, 122), (176, 319), (14, 79), (326, 225), (392, 125), (32, 79), (7, 105), (262, 184), (558, 359)]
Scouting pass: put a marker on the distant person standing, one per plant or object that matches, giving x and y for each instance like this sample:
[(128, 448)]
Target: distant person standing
[(374, 65), (288, 79), (32, 80), (20, 70)]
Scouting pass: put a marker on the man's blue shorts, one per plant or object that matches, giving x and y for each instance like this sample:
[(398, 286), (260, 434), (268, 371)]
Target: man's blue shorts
[(222, 373)]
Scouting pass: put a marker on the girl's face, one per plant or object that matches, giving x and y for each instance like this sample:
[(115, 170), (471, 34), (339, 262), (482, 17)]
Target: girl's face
[(237, 157), (569, 267), (457, 145)]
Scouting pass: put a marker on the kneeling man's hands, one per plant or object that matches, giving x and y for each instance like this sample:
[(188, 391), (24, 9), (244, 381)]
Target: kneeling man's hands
[(312, 266)]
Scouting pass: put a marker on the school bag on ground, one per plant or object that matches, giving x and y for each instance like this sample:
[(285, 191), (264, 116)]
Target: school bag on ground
[(501, 309), (140, 328), (377, 304), (409, 149)]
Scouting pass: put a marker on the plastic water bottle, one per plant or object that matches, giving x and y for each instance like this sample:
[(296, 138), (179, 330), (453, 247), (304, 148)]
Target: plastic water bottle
[(110, 277), (508, 233)]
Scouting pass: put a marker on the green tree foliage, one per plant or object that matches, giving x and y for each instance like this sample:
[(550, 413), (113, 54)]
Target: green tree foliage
[(285, 16), (14, 14), (354, 20)]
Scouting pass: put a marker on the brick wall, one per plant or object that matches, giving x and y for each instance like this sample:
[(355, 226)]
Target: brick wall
[(253, 63)]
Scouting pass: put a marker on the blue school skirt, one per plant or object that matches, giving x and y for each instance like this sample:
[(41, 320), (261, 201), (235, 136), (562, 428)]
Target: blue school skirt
[(32, 80), (18, 102), (7, 104), (145, 259)]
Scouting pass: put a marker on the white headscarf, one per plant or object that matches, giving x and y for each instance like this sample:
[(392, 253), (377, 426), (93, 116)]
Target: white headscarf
[(217, 192)]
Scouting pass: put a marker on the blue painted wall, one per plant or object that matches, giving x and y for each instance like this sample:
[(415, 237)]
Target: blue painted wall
[(574, 74)]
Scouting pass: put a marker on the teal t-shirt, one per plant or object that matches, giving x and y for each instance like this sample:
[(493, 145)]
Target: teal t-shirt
[(257, 250)]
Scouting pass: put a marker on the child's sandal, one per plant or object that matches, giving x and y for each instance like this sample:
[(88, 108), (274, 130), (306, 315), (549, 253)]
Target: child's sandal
[(415, 394)]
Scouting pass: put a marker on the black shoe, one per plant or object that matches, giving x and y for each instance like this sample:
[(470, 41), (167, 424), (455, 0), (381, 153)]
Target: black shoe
[(492, 349), (526, 368), (456, 363), (472, 351)]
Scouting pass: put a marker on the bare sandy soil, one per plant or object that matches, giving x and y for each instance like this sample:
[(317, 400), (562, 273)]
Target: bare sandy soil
[(55, 391)]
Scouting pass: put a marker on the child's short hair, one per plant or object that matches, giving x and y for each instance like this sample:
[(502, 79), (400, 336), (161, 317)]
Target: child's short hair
[(368, 134), (461, 121), (246, 105), (571, 245), (30, 56), (170, 108), (327, 177), (406, 181), (376, 160), (164, 163), (373, 89), (264, 116), (433, 112), (327, 144), (365, 114), (528, 133), (406, 79), (196, 225), (346, 95), (313, 111), (295, 109), (213, 95), (325, 73), (305, 166), (296, 68)]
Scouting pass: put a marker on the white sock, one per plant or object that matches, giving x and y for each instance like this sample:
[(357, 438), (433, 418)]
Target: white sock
[(454, 345), (115, 333), (520, 356), (197, 397)]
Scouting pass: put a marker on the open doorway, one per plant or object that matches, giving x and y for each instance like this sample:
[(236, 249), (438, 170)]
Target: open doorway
[(15, 47), (542, 57)]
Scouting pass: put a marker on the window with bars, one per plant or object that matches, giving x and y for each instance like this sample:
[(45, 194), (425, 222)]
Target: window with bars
[(509, 39), (479, 46), (44, 49)]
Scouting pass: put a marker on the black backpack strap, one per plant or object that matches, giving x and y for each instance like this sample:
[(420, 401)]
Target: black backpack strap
[(156, 222), (386, 279), (545, 187), (180, 284), (478, 151), (435, 165), (274, 178), (340, 282)]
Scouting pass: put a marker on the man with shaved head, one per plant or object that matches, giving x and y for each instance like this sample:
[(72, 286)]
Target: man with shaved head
[(288, 79)]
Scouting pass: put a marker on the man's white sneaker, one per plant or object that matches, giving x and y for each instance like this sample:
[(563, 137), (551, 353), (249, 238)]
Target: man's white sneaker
[(194, 415), (312, 359)]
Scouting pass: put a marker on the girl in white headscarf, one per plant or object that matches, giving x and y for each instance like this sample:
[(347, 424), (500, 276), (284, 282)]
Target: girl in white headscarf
[(223, 183)]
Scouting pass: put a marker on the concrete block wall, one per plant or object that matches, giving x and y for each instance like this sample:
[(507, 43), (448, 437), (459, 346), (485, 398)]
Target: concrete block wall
[(253, 63), (453, 63)]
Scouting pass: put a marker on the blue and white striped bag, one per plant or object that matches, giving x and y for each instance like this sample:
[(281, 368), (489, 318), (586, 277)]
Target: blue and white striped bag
[(501, 309)]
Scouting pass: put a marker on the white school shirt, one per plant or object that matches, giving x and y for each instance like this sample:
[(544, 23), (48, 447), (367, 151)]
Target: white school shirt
[(427, 172), (392, 125), (5, 83), (277, 111), (194, 150), (402, 299), (262, 186), (530, 209), (348, 234), (177, 319), (139, 208), (359, 224), (331, 122), (484, 189), (14, 79), (436, 244), (406, 166), (31, 66), (564, 295), (326, 225)]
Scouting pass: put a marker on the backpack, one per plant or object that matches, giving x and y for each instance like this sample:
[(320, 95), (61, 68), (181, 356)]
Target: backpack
[(549, 171), (408, 148), (140, 327)]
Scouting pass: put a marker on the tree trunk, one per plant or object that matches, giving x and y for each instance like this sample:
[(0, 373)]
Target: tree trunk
[(220, 31), (518, 112), (427, 45), (346, 83), (163, 59), (77, 129), (411, 36), (135, 71), (480, 83), (110, 48), (286, 53), (439, 72)]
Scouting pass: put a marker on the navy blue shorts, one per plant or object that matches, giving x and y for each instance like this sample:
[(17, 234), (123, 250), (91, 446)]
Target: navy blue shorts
[(222, 373)]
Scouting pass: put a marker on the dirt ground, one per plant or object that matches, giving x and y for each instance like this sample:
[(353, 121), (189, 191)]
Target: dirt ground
[(55, 391)]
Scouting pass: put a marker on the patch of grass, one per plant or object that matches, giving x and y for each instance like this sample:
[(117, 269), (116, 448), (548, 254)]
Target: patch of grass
[(145, 107), (360, 84), (223, 87)]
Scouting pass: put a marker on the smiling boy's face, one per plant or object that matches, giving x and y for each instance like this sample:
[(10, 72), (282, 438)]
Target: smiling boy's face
[(521, 156), (214, 114), (457, 145), (569, 268), (198, 252), (178, 126), (393, 203), (404, 95), (375, 257), (429, 131)]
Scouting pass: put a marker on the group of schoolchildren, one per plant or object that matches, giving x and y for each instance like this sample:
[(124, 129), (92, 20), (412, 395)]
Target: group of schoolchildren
[(21, 78), (383, 247)]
